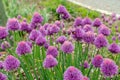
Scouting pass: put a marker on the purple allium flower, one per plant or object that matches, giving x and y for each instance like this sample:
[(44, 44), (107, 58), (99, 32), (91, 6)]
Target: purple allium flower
[(69, 31), (23, 48), (3, 76), (78, 34), (37, 18), (109, 68), (3, 32), (59, 24), (13, 24), (29, 43), (86, 64), (34, 34), (46, 45), (11, 63), (100, 41), (50, 62), (43, 31), (114, 19), (110, 22), (5, 45), (24, 26), (87, 28), (114, 48), (104, 30), (52, 50), (113, 15), (72, 73), (61, 39), (85, 78), (40, 40), (97, 61), (52, 29), (89, 37), (19, 17), (46, 25), (63, 12), (97, 22), (78, 22), (86, 21), (67, 47), (1, 65), (114, 38)]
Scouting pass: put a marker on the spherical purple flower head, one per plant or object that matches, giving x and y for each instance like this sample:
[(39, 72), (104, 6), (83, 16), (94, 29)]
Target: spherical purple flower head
[(43, 31), (50, 62), (5, 45), (85, 78), (11, 63), (59, 24), (69, 31), (52, 50), (114, 38), (3, 32), (3, 76), (113, 15), (114, 48), (104, 30), (86, 64), (13, 24), (1, 65), (52, 29), (46, 45), (109, 68), (89, 37), (87, 28), (40, 40), (97, 61), (86, 21), (61, 39), (110, 22), (97, 22), (63, 12), (46, 25), (23, 48), (34, 34), (67, 47), (114, 19), (24, 26), (19, 17), (37, 18), (78, 34), (72, 73), (77, 22), (100, 41)]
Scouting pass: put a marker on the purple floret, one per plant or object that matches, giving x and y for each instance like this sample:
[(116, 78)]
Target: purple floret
[(3, 76), (61, 39), (40, 40), (77, 22), (3, 32), (97, 22)]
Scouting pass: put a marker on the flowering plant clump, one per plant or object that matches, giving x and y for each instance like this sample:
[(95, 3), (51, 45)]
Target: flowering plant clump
[(88, 50)]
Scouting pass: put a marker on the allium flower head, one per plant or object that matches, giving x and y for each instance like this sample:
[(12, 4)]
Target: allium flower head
[(63, 12), (37, 18), (114, 38), (11, 63), (67, 47), (89, 37), (86, 21), (78, 34), (86, 64), (104, 30), (85, 78), (43, 31), (61, 39), (109, 68), (46, 25), (72, 73), (13, 24), (100, 41), (97, 61), (5, 45), (59, 24), (77, 22), (52, 50), (3, 32), (1, 65), (40, 40), (97, 22), (46, 45), (114, 48), (29, 43), (34, 34), (3, 76), (87, 28), (23, 48), (24, 26), (50, 62)]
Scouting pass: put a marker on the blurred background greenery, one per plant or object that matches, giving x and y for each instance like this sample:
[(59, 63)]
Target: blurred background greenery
[(47, 8)]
